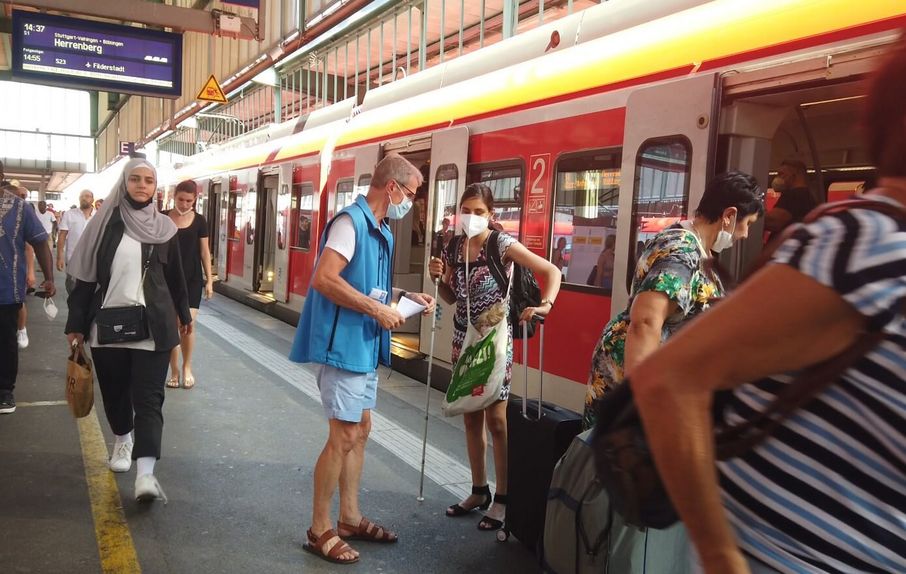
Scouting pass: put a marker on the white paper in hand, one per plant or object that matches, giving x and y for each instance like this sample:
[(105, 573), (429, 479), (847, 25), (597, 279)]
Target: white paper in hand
[(408, 308)]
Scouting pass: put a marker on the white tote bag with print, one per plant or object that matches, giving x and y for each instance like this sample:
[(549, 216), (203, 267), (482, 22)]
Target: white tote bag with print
[(480, 372)]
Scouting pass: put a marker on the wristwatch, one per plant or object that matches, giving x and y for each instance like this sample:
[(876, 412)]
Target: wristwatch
[(547, 302)]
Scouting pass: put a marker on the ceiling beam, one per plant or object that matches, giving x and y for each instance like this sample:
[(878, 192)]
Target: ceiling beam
[(151, 13)]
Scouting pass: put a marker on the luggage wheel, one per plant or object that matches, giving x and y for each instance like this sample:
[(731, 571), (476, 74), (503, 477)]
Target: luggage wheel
[(503, 535)]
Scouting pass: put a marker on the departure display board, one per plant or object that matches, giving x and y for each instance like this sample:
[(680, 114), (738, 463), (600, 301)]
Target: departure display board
[(69, 52)]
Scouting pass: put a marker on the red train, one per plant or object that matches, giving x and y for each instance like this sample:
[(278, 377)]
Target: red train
[(613, 136)]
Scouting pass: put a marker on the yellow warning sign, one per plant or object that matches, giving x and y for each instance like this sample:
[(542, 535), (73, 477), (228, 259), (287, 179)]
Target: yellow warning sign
[(211, 92)]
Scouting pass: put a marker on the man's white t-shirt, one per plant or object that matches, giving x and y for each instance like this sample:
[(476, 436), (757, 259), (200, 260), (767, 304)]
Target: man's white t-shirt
[(73, 222), (341, 237), (46, 220)]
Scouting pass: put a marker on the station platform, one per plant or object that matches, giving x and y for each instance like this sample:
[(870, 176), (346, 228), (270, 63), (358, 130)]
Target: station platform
[(239, 452)]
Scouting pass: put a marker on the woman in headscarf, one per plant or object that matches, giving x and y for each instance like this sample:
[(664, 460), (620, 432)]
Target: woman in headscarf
[(130, 302)]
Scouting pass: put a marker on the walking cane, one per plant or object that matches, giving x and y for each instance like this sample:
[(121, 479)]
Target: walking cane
[(436, 249)]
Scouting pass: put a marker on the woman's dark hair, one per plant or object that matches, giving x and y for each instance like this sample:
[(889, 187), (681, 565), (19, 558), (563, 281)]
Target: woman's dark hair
[(731, 189), (885, 114), (187, 186), (480, 191)]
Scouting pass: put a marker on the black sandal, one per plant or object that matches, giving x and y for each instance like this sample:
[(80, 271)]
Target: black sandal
[(457, 510), (488, 523)]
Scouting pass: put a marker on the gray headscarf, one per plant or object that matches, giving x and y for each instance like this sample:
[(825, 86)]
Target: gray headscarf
[(145, 225)]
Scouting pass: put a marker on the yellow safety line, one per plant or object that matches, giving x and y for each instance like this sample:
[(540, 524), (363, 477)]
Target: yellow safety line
[(110, 528)]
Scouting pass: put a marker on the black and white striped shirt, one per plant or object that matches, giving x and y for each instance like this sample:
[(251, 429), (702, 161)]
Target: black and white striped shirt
[(827, 492)]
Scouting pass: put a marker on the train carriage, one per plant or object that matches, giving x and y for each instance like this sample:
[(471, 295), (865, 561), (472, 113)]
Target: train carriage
[(613, 136)]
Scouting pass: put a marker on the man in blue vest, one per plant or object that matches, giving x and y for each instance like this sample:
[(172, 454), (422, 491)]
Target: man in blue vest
[(345, 327)]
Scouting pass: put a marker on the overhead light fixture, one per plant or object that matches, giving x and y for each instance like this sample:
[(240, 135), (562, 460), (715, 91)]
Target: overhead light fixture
[(830, 101)]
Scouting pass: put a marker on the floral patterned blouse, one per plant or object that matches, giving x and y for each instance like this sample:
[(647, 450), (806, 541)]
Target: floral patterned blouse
[(671, 263)]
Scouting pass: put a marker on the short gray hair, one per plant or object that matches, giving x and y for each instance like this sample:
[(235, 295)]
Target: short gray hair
[(394, 167)]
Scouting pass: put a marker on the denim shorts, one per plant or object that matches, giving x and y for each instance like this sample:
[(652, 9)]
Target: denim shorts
[(345, 394)]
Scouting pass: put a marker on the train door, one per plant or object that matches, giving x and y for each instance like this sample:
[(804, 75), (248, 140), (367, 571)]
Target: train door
[(226, 219), (665, 165), (284, 234), (447, 181), (212, 213), (410, 242), (266, 240)]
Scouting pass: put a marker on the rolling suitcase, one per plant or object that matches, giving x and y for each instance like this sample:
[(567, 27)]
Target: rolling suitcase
[(539, 434)]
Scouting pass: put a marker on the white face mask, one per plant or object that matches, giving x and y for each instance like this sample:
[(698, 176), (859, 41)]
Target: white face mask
[(472, 225), (50, 308), (724, 239)]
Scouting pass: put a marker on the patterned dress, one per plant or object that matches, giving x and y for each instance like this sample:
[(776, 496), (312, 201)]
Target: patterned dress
[(672, 263), (485, 296)]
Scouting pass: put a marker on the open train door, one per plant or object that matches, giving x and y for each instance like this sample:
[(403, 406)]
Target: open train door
[(667, 146), (447, 181), (284, 234)]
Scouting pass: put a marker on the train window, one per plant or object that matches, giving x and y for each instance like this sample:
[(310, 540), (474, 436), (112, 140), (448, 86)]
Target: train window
[(446, 182), (661, 193), (303, 204), (505, 181), (585, 217), (235, 208), (361, 188), (250, 203), (345, 194)]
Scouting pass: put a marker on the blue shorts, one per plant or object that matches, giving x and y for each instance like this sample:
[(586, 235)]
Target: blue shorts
[(345, 394)]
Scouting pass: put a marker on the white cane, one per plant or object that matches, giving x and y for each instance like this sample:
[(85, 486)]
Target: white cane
[(436, 248)]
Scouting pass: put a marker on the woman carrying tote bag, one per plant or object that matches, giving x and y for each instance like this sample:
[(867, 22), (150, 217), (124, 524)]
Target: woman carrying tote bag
[(130, 303), (482, 311)]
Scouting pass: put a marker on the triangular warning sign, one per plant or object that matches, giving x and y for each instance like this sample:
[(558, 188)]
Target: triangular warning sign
[(211, 92)]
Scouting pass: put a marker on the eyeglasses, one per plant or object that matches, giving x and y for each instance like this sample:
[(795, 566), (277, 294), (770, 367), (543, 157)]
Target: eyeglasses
[(409, 193)]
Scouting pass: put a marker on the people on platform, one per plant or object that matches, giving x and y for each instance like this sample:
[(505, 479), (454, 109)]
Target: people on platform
[(127, 258), (796, 199), (196, 262), (826, 491), (47, 219), (558, 255), (30, 280), (19, 226), (604, 266), (344, 327), (675, 281), (72, 224), (483, 292)]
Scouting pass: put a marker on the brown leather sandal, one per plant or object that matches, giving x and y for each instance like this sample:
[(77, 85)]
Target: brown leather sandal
[(368, 531), (316, 546)]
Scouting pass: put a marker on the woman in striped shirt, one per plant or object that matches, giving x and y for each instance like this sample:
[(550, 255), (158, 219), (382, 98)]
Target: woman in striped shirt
[(827, 491)]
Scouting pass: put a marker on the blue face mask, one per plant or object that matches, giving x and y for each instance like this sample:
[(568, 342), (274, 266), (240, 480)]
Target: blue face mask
[(399, 210)]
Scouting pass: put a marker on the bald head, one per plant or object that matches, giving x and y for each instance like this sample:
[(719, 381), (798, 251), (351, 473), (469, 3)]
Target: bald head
[(86, 199)]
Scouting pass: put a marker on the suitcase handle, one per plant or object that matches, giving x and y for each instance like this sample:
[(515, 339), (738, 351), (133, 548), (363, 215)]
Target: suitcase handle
[(525, 414)]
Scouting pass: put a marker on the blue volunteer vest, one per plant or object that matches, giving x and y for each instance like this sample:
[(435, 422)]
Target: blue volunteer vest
[(333, 335)]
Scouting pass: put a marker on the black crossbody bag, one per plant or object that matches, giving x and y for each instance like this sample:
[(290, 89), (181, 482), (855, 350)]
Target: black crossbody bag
[(125, 324)]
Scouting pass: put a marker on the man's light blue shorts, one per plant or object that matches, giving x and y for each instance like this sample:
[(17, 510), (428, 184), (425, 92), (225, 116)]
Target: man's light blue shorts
[(345, 394)]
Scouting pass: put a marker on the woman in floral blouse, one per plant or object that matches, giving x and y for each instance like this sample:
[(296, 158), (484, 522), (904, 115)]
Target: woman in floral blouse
[(673, 281)]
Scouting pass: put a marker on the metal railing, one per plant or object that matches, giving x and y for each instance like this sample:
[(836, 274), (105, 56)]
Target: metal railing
[(403, 39)]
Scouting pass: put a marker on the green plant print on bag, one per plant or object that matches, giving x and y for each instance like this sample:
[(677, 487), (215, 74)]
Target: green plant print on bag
[(473, 368)]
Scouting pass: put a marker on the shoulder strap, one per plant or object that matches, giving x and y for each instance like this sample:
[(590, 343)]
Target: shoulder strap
[(736, 440), (495, 263)]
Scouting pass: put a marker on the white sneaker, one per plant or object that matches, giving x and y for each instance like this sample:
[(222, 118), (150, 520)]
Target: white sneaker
[(147, 489), (22, 338), (121, 459)]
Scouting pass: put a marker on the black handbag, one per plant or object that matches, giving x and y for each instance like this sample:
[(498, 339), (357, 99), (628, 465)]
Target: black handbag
[(623, 459), (121, 324), (126, 324)]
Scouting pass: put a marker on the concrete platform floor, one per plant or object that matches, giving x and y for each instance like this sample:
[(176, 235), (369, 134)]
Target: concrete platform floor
[(238, 456)]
